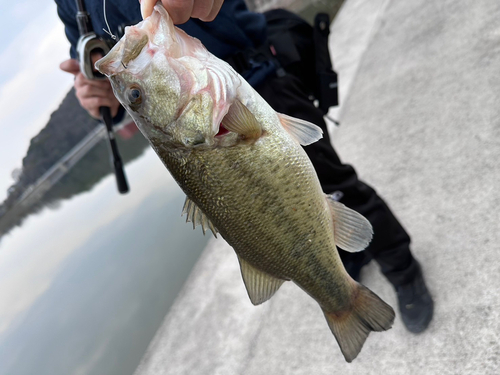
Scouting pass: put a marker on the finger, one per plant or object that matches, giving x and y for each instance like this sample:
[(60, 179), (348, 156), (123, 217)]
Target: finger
[(88, 91), (96, 103), (81, 81), (114, 108), (202, 8), (96, 56), (179, 10), (147, 7), (70, 66), (98, 84), (92, 105), (215, 10)]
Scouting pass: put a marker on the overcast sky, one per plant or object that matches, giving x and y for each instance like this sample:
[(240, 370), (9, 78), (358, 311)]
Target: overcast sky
[(31, 85)]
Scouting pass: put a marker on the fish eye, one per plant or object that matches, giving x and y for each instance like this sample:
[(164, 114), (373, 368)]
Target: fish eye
[(134, 97)]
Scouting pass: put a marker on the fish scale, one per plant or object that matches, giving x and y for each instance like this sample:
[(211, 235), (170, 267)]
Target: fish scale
[(252, 182), (269, 228)]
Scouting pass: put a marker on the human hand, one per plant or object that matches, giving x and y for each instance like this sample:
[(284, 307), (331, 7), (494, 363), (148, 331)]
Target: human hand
[(182, 10), (91, 93)]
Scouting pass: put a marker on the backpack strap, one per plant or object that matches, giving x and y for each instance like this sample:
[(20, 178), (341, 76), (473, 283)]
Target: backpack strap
[(326, 78)]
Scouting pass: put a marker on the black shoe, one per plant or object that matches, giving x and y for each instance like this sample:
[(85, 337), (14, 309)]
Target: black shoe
[(415, 304)]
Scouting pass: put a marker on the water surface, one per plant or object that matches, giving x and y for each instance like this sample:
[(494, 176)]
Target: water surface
[(85, 285)]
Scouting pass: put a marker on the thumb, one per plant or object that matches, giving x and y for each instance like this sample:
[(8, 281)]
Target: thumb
[(71, 66), (147, 7)]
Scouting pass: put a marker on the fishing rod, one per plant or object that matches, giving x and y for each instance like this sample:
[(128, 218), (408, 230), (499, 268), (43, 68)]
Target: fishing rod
[(88, 45)]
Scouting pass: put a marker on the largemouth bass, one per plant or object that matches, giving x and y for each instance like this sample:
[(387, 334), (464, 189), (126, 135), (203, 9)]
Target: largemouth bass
[(245, 173)]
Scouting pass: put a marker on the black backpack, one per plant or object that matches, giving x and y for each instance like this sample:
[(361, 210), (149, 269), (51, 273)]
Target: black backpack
[(302, 50)]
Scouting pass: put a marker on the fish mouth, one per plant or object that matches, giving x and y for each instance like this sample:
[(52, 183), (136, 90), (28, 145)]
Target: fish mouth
[(123, 53), (156, 32)]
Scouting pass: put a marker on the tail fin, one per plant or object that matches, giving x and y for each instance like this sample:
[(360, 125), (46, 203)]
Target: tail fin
[(351, 328)]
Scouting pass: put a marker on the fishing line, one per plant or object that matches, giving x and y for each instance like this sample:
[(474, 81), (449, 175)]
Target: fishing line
[(107, 24)]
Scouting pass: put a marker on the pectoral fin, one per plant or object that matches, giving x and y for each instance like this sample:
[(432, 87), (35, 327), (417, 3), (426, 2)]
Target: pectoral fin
[(197, 217), (353, 232), (302, 131), (260, 286), (240, 120)]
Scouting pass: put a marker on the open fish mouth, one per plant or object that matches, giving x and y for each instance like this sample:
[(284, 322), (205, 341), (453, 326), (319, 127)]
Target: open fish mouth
[(155, 33)]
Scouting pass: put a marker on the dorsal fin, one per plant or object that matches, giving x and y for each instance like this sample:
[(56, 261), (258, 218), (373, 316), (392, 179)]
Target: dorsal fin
[(353, 232), (302, 131), (240, 120), (197, 217), (260, 286)]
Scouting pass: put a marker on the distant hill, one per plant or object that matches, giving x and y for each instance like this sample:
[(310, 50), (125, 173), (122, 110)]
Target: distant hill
[(67, 126)]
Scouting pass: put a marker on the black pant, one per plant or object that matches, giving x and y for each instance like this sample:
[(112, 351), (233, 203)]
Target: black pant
[(390, 245)]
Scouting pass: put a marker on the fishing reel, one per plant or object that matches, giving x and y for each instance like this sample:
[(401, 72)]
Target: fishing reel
[(88, 46)]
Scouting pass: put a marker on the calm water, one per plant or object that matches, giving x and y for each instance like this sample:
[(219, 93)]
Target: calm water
[(84, 287)]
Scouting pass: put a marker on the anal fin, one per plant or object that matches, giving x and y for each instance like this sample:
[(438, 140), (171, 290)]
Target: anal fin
[(197, 217), (260, 286)]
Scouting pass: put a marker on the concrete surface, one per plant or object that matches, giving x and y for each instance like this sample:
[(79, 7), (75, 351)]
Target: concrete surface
[(420, 120)]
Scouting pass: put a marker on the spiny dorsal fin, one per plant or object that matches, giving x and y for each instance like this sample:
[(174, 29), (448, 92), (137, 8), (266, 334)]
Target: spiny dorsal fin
[(197, 217), (240, 120), (260, 286), (302, 131), (353, 232)]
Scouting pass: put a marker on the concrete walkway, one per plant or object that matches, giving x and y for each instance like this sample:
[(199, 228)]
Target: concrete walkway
[(420, 113)]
